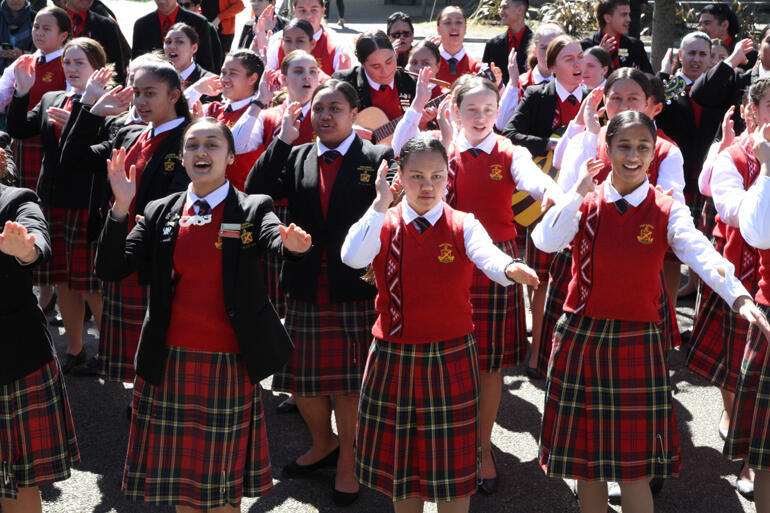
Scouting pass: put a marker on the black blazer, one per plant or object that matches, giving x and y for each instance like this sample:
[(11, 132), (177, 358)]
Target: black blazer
[(147, 37), (284, 171), (531, 123), (722, 86), (86, 145), (197, 74), (125, 49), (106, 31), (247, 32), (405, 85), (637, 55), (26, 343), (57, 186), (496, 50), (149, 248)]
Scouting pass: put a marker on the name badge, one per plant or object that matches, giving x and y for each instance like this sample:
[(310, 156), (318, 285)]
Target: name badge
[(230, 230)]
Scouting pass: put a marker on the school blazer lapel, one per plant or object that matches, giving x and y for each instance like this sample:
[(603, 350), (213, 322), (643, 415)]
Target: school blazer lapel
[(168, 230), (311, 172), (231, 247), (168, 149), (345, 176)]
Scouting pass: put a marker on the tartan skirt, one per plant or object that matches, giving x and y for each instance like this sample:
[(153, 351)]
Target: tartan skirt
[(498, 318), (272, 270), (749, 435), (124, 304), (42, 273), (718, 342), (417, 432), (330, 343), (538, 260), (199, 438), (37, 436), (28, 156), (608, 408), (558, 282), (72, 254)]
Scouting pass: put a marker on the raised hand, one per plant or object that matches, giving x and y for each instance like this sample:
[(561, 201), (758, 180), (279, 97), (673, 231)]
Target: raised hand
[(738, 57), (96, 86), (262, 29), (749, 311), (589, 107), (197, 109), (345, 62), (267, 85), (444, 120), (208, 86), (436, 40), (57, 116), (608, 43), (17, 242), (585, 183), (24, 74), (522, 273), (268, 17), (550, 197), (513, 68), (728, 129), (363, 133), (667, 64), (123, 187), (762, 149), (385, 194), (113, 102), (290, 123), (498, 74), (423, 91), (295, 239)]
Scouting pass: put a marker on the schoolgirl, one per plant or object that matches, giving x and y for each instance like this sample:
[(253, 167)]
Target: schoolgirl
[(37, 438), (597, 66), (179, 46), (536, 57), (198, 437), (329, 185), (154, 150), (64, 191), (609, 411), (485, 171), (426, 54), (423, 358), (455, 61)]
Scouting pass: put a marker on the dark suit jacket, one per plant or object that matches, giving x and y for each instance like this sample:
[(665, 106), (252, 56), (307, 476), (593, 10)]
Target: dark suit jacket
[(26, 343), (247, 33), (722, 86), (106, 31), (290, 172), (531, 123), (264, 343), (147, 37), (496, 50), (405, 85), (637, 55), (197, 74), (125, 49), (71, 184)]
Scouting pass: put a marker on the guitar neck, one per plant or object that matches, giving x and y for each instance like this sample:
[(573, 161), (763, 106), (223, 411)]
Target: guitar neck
[(388, 128)]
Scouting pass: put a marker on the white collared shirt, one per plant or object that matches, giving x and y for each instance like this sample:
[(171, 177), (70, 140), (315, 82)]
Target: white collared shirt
[(374, 85), (8, 79), (563, 94), (727, 187), (343, 147), (165, 127), (562, 222), (213, 198), (249, 131), (408, 127), (762, 71), (362, 243), (237, 105), (188, 71), (754, 214), (446, 55), (274, 45), (539, 77)]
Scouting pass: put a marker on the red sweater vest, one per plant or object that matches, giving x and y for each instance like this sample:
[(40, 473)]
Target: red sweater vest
[(465, 65), (566, 111), (323, 51), (662, 146), (272, 125), (484, 186), (327, 174), (525, 81), (239, 169), (198, 317), (617, 259), (49, 76), (763, 287), (423, 280), (138, 155), (388, 101)]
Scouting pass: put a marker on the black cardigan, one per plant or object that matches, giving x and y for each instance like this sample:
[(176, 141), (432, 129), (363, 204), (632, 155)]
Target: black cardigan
[(26, 343), (264, 343), (290, 172), (722, 86)]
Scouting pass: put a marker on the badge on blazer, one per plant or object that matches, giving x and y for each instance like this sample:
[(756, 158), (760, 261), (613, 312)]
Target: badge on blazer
[(247, 238), (445, 255), (496, 172), (645, 234), (168, 228), (169, 162), (366, 174), (48, 77), (623, 53)]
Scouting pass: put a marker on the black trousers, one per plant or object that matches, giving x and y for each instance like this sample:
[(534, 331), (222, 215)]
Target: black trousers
[(340, 8)]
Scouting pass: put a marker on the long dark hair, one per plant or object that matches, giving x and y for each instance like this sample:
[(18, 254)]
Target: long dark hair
[(164, 71), (628, 118)]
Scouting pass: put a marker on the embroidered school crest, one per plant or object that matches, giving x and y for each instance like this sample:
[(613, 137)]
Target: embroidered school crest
[(645, 234), (218, 243), (168, 162), (48, 77), (496, 172), (366, 174), (445, 255), (246, 237)]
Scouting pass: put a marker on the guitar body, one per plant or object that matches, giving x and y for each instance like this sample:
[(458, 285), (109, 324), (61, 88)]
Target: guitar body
[(373, 118)]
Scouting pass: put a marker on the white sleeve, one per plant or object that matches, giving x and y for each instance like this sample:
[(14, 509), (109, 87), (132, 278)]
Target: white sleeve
[(580, 149), (695, 251), (561, 147), (7, 85), (508, 103), (483, 253), (727, 188), (192, 96), (671, 173), (362, 242), (407, 128), (338, 51), (527, 175), (559, 225), (754, 214), (273, 45), (249, 132), (704, 178)]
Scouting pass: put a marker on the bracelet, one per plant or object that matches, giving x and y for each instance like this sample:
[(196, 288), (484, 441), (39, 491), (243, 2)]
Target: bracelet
[(258, 103)]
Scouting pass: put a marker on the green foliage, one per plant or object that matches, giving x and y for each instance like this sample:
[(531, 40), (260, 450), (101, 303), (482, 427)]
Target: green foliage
[(488, 10), (575, 16), (687, 16)]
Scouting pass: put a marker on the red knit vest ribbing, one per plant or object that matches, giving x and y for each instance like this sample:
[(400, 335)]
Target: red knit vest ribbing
[(763, 287), (327, 174), (236, 172), (138, 155), (323, 51), (567, 111), (464, 65), (49, 76), (423, 280), (199, 320), (272, 119), (662, 146), (387, 100), (484, 186), (617, 259)]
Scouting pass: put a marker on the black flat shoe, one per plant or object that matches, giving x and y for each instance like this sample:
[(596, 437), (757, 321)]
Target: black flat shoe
[(656, 485), (56, 321), (90, 368), (48, 309), (343, 499), (533, 373), (70, 361), (294, 469), (489, 485), (286, 407)]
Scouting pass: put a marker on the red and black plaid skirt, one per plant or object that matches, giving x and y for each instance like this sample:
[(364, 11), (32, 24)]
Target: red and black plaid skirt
[(718, 343), (608, 413), (498, 318), (417, 432), (124, 305), (330, 344), (73, 255), (37, 436), (272, 270), (199, 438), (538, 260), (558, 282), (28, 156), (42, 273), (749, 435)]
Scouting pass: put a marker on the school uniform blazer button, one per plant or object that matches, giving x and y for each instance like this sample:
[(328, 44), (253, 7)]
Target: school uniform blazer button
[(231, 312)]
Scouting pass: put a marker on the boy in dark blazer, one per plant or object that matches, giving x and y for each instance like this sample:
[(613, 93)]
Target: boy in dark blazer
[(614, 19), (512, 14), (87, 23)]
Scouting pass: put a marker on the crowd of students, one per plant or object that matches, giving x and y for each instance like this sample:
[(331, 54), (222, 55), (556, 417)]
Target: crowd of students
[(360, 225)]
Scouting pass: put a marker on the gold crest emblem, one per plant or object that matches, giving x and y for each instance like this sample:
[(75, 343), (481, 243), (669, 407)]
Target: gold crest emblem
[(445, 255), (365, 178), (645, 234), (246, 237), (218, 243), (48, 77), (366, 174), (496, 172), (168, 166)]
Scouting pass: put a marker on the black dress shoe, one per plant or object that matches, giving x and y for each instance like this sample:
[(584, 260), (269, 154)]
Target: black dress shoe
[(489, 485), (286, 407), (56, 321), (48, 309), (656, 485), (90, 368), (294, 469), (69, 361), (533, 373), (343, 499)]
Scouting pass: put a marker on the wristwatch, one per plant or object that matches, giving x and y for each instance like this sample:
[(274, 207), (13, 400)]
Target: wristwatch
[(258, 103), (516, 260)]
